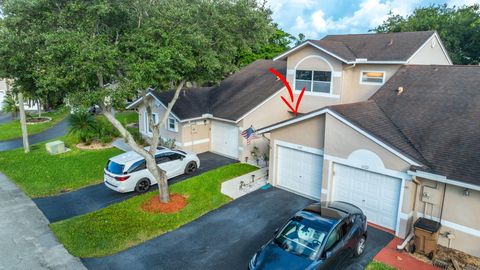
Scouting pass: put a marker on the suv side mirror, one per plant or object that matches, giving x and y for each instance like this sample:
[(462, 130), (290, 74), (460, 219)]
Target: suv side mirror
[(327, 254)]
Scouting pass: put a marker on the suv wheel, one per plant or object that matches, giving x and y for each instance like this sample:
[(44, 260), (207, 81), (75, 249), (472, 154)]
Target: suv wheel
[(191, 167), (360, 247), (142, 186)]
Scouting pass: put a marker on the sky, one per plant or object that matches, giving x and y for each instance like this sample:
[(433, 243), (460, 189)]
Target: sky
[(317, 18)]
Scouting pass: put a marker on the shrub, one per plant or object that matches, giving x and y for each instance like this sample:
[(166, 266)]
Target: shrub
[(83, 125)]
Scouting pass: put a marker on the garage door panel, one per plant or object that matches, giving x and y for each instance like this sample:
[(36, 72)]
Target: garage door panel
[(225, 139), (376, 194), (300, 171)]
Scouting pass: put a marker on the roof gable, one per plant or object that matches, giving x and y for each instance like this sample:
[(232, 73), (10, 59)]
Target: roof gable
[(364, 48)]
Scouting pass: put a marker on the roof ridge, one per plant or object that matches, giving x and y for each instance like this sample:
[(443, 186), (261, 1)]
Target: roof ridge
[(402, 134), (371, 34)]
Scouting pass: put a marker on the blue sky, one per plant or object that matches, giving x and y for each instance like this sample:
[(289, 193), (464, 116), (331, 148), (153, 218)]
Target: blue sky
[(317, 18)]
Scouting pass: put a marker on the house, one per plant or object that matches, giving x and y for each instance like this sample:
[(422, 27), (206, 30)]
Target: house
[(29, 104), (335, 70), (3, 92), (409, 151)]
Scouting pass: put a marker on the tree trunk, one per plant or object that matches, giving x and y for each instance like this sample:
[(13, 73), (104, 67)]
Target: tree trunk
[(161, 178), (23, 123), (39, 108)]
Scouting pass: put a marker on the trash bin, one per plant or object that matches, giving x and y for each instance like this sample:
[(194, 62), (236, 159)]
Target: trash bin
[(426, 236)]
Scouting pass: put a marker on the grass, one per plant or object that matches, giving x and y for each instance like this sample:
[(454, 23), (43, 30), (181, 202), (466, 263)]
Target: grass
[(125, 224), (374, 265), (127, 117), (12, 130), (40, 174)]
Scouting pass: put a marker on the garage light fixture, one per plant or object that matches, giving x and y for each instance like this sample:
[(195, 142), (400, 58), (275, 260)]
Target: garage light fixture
[(466, 192)]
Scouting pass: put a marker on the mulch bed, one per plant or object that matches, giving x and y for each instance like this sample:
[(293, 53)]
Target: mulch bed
[(94, 146), (445, 254), (38, 120), (177, 203)]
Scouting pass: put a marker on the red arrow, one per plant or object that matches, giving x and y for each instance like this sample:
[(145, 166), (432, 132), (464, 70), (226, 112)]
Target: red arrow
[(290, 93)]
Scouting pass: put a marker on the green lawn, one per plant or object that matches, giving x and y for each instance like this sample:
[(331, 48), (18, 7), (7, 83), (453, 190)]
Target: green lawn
[(374, 265), (41, 174), (127, 117), (12, 130), (125, 224)]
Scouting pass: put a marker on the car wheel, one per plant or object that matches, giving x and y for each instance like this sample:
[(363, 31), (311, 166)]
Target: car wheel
[(360, 246), (142, 186), (191, 167)]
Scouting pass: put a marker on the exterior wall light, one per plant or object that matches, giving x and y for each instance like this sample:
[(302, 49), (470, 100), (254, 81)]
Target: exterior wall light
[(466, 192)]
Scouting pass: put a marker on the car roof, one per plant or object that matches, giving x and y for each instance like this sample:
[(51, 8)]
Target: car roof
[(132, 156), (335, 210)]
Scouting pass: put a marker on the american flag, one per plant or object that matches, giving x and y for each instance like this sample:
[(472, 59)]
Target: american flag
[(249, 134)]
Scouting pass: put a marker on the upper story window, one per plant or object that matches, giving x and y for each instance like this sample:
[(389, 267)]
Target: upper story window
[(372, 77), (172, 124), (313, 80)]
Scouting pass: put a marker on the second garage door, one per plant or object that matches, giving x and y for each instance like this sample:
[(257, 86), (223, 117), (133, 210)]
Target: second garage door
[(376, 194), (300, 171), (225, 139)]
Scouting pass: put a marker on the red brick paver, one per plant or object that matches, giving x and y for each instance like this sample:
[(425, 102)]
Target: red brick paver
[(400, 259)]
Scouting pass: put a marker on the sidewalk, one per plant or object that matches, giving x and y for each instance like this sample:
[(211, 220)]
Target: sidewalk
[(26, 240)]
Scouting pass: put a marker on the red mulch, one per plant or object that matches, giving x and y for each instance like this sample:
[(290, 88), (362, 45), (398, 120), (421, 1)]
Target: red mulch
[(400, 259), (177, 203)]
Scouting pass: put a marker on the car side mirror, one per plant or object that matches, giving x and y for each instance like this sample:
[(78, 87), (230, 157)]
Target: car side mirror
[(327, 254)]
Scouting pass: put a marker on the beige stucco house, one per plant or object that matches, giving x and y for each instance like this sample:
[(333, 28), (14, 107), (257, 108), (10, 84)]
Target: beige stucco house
[(409, 151), (381, 125), (212, 118)]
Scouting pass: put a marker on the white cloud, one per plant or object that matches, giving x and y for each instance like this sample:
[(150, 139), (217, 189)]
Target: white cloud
[(305, 16)]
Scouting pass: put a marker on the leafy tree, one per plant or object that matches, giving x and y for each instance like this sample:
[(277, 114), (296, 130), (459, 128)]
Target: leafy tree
[(105, 51), (458, 27), (278, 43), (300, 39)]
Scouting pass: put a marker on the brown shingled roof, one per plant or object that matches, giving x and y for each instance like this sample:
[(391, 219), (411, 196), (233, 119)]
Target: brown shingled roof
[(398, 46), (438, 114)]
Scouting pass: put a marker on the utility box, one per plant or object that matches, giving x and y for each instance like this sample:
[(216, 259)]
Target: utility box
[(55, 147), (426, 236)]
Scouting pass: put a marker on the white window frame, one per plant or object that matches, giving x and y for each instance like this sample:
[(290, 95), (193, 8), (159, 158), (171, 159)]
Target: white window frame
[(311, 92), (167, 124), (372, 83), (147, 124)]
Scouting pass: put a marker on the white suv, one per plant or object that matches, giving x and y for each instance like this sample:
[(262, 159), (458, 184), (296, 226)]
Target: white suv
[(127, 172)]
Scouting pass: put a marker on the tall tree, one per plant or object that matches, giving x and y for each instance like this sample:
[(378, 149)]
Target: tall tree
[(105, 51), (458, 27), (278, 43)]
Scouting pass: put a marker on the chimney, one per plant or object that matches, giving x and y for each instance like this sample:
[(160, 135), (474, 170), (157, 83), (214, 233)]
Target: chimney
[(399, 90)]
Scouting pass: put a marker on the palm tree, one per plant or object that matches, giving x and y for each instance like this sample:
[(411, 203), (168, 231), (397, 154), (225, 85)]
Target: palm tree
[(83, 124), (9, 105)]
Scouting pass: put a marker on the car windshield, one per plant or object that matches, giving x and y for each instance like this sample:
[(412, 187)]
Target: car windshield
[(114, 167), (301, 237)]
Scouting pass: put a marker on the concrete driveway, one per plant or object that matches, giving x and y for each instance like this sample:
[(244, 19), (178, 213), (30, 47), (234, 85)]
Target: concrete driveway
[(225, 238), (98, 196)]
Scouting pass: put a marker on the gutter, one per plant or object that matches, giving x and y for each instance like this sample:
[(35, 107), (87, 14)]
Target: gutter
[(443, 179)]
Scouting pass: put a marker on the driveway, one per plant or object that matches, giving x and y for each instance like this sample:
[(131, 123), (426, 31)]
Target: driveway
[(26, 240), (56, 131), (225, 238), (98, 196)]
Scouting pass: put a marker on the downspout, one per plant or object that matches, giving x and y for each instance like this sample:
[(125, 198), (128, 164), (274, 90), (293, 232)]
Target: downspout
[(343, 80), (411, 234)]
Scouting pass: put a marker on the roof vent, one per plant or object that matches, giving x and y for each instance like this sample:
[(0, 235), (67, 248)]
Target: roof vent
[(391, 42), (399, 90)]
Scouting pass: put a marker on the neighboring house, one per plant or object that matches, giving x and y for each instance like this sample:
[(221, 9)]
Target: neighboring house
[(335, 70), (30, 105), (411, 150)]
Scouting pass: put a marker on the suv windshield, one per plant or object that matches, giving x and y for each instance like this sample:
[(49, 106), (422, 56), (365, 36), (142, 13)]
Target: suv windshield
[(301, 237), (114, 167)]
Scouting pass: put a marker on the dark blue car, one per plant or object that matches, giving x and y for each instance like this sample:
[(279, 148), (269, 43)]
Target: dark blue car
[(321, 236)]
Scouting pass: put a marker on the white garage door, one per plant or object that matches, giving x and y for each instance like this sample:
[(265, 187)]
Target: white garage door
[(225, 139), (376, 194), (300, 171)]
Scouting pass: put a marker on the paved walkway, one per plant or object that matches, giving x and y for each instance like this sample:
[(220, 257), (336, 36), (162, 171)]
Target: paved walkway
[(26, 240), (56, 131), (98, 196)]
